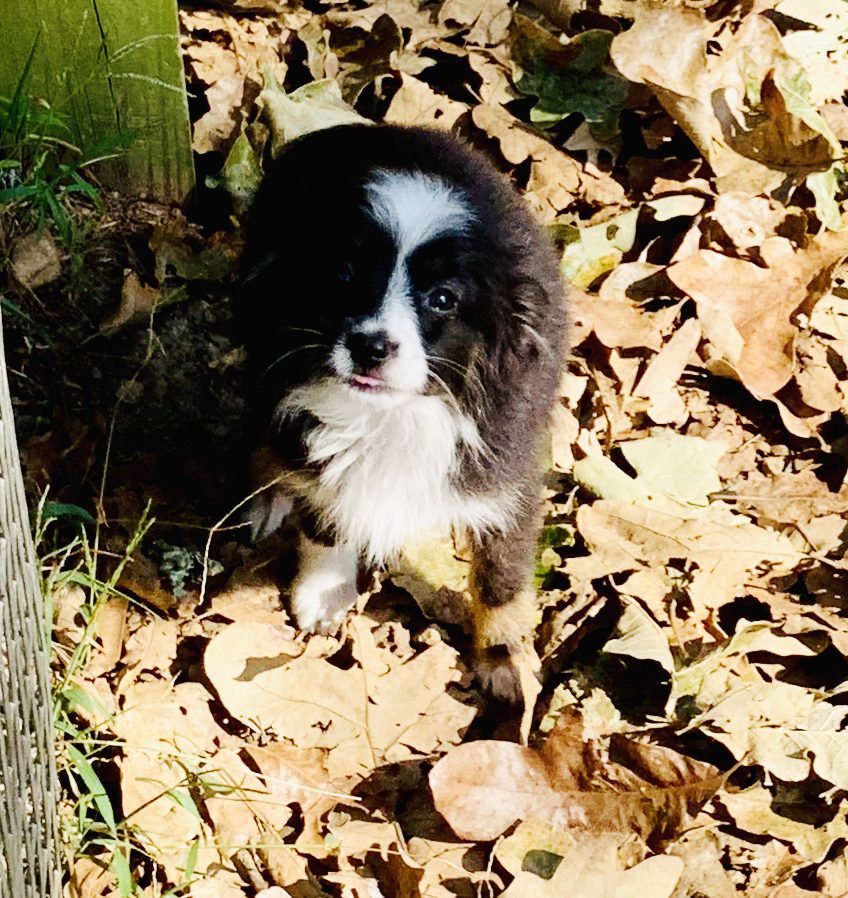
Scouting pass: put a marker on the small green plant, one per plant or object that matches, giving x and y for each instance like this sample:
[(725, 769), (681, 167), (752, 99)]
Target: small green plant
[(42, 173), (90, 824)]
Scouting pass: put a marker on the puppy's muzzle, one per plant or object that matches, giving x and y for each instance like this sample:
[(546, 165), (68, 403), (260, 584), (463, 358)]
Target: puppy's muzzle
[(370, 350)]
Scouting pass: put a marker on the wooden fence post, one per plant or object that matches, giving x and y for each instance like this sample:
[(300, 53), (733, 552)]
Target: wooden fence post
[(112, 69)]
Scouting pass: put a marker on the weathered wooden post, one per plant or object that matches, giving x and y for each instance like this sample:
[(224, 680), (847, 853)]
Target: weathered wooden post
[(112, 70)]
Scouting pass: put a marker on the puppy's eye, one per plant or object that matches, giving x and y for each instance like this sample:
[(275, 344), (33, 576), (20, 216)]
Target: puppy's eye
[(442, 300), (345, 273)]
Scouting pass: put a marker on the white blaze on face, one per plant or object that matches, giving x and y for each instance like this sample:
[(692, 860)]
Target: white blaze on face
[(414, 209)]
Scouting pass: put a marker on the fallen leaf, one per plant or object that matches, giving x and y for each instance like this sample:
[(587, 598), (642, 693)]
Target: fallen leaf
[(482, 788), (570, 77), (417, 102), (312, 107), (761, 302), (487, 21), (213, 131), (35, 260), (362, 718)]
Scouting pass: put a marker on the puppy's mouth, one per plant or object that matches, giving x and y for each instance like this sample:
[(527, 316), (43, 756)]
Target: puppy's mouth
[(368, 383)]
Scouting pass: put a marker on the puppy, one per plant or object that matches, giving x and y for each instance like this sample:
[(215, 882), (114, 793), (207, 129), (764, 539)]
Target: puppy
[(405, 326)]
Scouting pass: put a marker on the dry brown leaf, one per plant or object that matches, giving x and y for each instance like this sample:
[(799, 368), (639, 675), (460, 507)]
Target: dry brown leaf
[(747, 220), (483, 788), (217, 885), (411, 15), (596, 866), (417, 102), (244, 808), (35, 260), (753, 810), (760, 302), (111, 624), (496, 86), (68, 622), (488, 20), (617, 323), (217, 129), (138, 301), (554, 177), (252, 595), (658, 383), (158, 717), (293, 775), (165, 827), (780, 139), (624, 537), (364, 718), (446, 864), (666, 48), (92, 877), (165, 731), (153, 646)]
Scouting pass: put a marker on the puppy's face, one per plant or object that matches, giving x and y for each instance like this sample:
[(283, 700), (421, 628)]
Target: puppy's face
[(391, 312)]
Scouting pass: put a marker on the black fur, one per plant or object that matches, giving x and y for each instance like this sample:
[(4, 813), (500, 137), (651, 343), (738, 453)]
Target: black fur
[(314, 259)]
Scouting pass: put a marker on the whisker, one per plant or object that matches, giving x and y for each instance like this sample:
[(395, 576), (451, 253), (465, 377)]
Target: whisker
[(306, 330), (471, 377), (291, 352), (460, 369), (448, 391)]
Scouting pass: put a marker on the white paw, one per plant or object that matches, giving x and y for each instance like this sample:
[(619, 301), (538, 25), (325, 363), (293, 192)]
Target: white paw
[(319, 608), (266, 512)]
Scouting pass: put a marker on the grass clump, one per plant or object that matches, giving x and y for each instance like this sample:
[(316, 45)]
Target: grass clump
[(90, 820), (44, 176)]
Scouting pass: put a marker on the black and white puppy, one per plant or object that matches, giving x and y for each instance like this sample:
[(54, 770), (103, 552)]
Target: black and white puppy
[(406, 326)]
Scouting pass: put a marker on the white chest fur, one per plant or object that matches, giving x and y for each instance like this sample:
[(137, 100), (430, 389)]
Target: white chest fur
[(386, 468)]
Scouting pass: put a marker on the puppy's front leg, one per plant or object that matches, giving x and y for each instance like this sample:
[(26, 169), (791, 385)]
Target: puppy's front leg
[(324, 589), (504, 609), (271, 503)]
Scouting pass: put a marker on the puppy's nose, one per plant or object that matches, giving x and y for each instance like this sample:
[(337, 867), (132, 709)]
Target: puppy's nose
[(370, 350)]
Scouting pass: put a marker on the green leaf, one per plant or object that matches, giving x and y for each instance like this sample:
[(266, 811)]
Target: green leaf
[(121, 869), (183, 799), (76, 697), (570, 78), (241, 173), (191, 859), (95, 787), (53, 510)]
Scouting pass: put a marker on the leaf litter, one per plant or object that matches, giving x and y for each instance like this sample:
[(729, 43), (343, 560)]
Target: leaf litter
[(688, 737)]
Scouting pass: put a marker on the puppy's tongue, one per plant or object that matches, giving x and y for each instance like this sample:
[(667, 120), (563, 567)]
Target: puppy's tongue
[(364, 380)]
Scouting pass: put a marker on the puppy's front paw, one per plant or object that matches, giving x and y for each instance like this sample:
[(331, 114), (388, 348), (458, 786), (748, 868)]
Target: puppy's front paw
[(265, 513), (506, 662), (319, 608), (325, 587), (510, 676), (500, 678)]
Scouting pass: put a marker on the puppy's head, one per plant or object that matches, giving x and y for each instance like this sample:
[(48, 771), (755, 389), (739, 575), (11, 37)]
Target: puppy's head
[(388, 263), (388, 311)]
